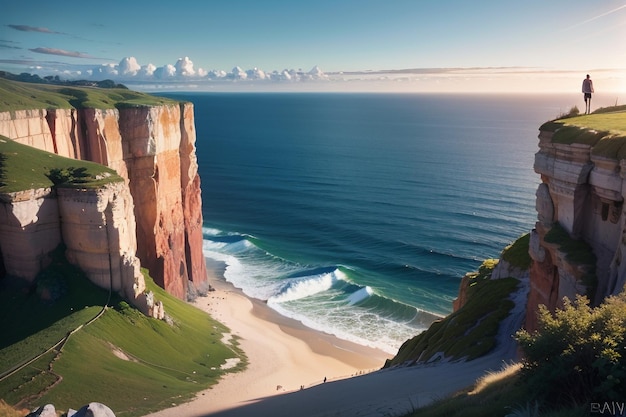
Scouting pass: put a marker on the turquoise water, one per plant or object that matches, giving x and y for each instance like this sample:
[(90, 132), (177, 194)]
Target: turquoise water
[(358, 214)]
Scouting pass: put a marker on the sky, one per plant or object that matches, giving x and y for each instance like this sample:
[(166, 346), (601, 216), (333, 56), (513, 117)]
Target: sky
[(323, 45)]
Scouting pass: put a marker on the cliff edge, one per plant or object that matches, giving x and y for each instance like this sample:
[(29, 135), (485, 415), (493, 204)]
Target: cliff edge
[(579, 241), (148, 141)]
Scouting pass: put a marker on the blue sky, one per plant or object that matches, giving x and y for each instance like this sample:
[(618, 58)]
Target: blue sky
[(489, 44)]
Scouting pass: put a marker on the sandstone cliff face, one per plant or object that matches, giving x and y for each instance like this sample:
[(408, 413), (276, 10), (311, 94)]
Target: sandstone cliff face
[(153, 149), (96, 226), (584, 193), (29, 127), (29, 231), (163, 173), (98, 229)]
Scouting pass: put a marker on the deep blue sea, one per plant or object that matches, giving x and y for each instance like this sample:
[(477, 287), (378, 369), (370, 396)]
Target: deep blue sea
[(358, 214)]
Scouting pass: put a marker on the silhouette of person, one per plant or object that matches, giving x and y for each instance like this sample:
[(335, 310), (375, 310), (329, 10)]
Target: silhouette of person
[(587, 90)]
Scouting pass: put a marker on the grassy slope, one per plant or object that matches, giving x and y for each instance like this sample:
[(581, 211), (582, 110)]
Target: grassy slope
[(470, 332), (169, 362), (16, 95), (23, 167)]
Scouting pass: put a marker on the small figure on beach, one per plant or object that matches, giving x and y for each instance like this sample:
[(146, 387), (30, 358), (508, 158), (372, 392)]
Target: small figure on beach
[(587, 90), (324, 379)]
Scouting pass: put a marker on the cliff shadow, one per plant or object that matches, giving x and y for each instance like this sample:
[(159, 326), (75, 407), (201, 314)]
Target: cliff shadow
[(3, 159), (58, 291)]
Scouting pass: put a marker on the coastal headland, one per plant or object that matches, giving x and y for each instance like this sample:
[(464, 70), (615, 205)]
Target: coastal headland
[(290, 369)]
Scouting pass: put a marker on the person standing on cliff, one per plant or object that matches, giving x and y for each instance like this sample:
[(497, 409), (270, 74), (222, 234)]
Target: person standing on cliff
[(587, 90)]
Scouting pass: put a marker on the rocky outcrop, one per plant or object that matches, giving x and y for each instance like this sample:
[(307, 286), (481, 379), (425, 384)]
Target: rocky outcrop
[(93, 409), (153, 149), (581, 192)]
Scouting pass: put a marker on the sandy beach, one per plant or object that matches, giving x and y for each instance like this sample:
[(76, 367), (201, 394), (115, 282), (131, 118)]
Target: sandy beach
[(283, 354), (289, 362)]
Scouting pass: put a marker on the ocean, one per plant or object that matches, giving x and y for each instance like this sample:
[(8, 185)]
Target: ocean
[(358, 214)]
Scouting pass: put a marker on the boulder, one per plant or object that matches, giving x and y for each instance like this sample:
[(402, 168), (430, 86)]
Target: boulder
[(93, 410)]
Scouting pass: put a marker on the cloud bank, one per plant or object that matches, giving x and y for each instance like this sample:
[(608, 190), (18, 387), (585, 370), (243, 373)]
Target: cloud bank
[(130, 70), (184, 75)]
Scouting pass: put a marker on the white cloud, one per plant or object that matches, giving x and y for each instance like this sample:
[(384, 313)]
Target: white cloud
[(255, 74), (237, 74), (216, 74), (105, 70), (146, 71), (129, 66), (184, 67), (167, 71)]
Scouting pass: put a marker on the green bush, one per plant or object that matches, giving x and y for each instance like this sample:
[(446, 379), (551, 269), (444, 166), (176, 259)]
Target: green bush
[(578, 355)]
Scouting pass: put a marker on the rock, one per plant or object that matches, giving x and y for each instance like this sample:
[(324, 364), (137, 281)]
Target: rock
[(93, 410), (159, 222), (584, 193), (29, 231), (47, 410)]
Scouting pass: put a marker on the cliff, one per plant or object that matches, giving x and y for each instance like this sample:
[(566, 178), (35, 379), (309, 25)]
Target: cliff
[(579, 240), (150, 143), (47, 201), (578, 244)]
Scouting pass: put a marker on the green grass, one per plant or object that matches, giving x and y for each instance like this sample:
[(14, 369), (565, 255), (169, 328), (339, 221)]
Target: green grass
[(469, 332), (604, 130), (169, 363), (16, 95), (23, 167), (516, 253)]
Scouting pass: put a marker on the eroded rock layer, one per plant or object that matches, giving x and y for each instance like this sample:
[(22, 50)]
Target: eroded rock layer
[(153, 149), (582, 193)]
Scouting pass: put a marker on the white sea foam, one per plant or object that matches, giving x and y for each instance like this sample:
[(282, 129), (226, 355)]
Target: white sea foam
[(360, 295), (352, 325), (211, 231), (305, 287), (326, 301)]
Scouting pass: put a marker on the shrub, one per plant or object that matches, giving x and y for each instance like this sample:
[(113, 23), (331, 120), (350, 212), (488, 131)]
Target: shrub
[(578, 354)]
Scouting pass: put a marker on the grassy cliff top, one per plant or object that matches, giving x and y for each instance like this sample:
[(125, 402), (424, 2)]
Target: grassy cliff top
[(15, 95), (604, 130), (23, 167)]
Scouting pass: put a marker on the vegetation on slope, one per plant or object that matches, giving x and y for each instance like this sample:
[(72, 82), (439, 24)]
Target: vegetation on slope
[(16, 95), (516, 254), (132, 363), (23, 167), (604, 130), (576, 358), (469, 332), (579, 353)]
